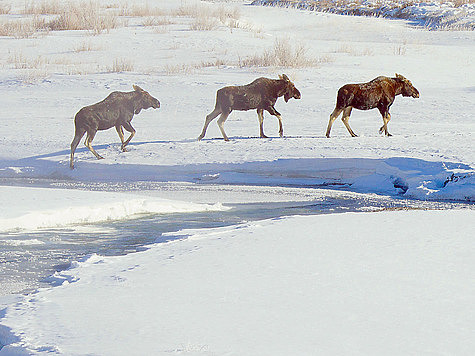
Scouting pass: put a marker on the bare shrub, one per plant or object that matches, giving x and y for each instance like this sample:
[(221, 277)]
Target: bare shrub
[(345, 48), (171, 69), (121, 65), (282, 55), (141, 11), (5, 9), (325, 59), (22, 28), (206, 17), (203, 22), (84, 16), (20, 61), (224, 14), (156, 21), (400, 50), (50, 7), (86, 46)]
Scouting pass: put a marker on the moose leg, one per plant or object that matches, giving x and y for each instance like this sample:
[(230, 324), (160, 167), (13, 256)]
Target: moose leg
[(77, 137), (274, 112), (221, 121), (386, 119), (120, 132), (87, 143), (333, 117), (345, 118), (130, 129), (260, 115), (209, 118)]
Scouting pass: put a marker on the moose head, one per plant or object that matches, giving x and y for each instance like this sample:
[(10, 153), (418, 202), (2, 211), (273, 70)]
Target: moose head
[(290, 90)]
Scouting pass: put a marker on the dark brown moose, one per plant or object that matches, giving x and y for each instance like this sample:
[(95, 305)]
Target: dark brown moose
[(261, 94), (117, 110), (378, 93)]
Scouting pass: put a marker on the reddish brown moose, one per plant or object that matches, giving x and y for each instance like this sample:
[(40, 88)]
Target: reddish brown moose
[(378, 93), (261, 94), (117, 110)]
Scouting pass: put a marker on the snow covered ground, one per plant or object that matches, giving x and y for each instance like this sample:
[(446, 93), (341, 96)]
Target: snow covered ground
[(360, 284), (37, 208), (431, 155), (395, 282)]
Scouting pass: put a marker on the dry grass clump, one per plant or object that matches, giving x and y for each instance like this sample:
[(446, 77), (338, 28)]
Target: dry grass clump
[(400, 50), (80, 15), (121, 65), (283, 54), (5, 9), (171, 69), (152, 21), (22, 28), (203, 22), (140, 10), (87, 17), (345, 48), (20, 61), (86, 46), (49, 7), (206, 17)]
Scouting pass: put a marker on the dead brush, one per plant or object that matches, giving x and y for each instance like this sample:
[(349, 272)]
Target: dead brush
[(121, 65), (50, 7), (23, 28), (5, 9), (84, 16), (283, 54), (141, 11)]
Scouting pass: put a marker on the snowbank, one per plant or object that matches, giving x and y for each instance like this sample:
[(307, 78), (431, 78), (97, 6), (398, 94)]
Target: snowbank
[(356, 283), (430, 14), (397, 176), (36, 208)]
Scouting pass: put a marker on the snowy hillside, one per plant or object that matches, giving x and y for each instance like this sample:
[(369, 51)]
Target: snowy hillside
[(437, 15)]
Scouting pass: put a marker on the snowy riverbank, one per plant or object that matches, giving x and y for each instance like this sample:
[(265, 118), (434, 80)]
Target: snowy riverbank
[(436, 15), (357, 283)]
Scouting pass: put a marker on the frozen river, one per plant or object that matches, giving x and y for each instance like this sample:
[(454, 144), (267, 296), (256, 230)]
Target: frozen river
[(29, 258)]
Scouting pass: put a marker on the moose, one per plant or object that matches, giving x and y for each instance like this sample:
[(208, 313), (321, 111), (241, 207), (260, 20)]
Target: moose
[(117, 110), (378, 93), (261, 94)]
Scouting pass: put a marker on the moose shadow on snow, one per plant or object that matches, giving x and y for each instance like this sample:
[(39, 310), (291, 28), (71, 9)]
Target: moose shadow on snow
[(391, 176)]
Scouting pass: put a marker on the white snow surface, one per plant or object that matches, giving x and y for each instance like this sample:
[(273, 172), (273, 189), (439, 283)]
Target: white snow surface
[(396, 282), (430, 156), (360, 284), (36, 208)]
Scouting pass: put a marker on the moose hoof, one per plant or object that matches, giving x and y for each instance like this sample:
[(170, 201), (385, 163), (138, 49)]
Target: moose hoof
[(100, 157), (200, 138), (264, 136), (389, 135)]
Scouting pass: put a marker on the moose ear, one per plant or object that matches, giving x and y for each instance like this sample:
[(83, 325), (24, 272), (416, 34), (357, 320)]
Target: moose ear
[(399, 76), (286, 78), (137, 88)]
